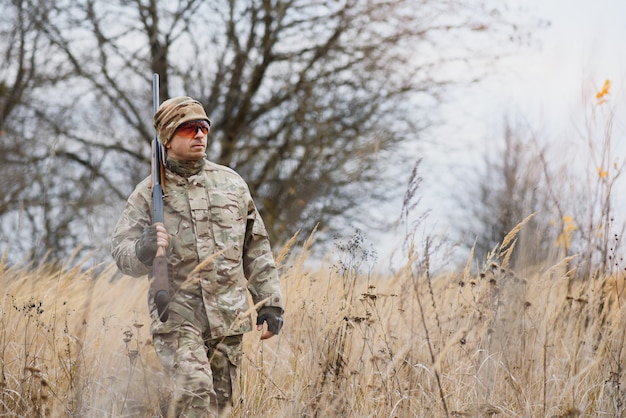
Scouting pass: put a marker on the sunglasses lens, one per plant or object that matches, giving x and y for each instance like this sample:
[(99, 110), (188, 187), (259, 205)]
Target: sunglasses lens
[(189, 129)]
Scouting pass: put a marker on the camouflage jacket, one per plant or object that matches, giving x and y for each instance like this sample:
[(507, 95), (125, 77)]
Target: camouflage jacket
[(208, 214)]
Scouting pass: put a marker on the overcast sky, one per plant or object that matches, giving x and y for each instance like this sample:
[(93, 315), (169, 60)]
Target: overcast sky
[(583, 46), (549, 85)]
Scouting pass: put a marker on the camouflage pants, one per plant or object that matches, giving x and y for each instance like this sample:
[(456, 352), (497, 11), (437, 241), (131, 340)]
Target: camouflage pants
[(204, 371)]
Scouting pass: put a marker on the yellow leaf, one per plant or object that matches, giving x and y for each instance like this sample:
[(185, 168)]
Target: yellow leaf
[(605, 90)]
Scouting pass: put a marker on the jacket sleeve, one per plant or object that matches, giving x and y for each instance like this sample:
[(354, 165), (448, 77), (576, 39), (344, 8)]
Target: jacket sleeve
[(131, 223), (258, 262)]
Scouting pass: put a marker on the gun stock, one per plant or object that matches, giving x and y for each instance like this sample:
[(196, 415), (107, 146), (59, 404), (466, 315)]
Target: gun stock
[(160, 286)]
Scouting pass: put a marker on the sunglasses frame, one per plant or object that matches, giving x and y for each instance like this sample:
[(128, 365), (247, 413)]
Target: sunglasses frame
[(185, 131)]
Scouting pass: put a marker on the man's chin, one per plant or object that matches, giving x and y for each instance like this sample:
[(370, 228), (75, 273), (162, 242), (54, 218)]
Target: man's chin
[(198, 151)]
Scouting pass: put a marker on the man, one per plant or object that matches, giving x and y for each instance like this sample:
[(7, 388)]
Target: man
[(210, 219)]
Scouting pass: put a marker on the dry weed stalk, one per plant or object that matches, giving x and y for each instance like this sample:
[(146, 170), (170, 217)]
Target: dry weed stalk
[(354, 343)]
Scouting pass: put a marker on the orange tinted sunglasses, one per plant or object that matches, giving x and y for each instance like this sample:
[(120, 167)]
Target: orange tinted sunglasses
[(189, 129)]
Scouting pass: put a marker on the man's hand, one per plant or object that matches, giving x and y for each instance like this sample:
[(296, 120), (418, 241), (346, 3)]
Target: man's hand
[(153, 236), (273, 316)]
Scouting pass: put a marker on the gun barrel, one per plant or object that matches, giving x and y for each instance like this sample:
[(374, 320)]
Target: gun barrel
[(160, 287)]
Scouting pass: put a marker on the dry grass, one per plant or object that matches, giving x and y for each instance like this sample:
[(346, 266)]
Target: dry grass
[(354, 345)]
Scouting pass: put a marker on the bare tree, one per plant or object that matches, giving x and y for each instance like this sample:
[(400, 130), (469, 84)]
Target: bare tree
[(510, 186), (572, 198), (36, 193), (310, 100)]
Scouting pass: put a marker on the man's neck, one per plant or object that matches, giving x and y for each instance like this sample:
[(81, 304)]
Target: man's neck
[(185, 168)]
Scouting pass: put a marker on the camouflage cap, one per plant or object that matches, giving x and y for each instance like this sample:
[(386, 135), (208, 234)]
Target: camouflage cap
[(174, 112)]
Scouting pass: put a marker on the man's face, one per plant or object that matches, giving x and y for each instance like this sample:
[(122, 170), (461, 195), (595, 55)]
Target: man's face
[(189, 141)]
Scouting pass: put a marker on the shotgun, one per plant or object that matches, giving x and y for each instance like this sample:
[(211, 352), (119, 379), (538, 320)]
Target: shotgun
[(159, 285)]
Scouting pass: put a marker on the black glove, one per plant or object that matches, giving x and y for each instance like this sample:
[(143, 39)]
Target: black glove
[(146, 247), (273, 316)]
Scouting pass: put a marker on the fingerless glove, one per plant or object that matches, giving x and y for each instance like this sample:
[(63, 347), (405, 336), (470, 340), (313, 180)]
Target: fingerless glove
[(273, 316)]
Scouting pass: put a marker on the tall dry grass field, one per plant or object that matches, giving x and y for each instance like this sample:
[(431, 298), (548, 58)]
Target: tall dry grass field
[(354, 344)]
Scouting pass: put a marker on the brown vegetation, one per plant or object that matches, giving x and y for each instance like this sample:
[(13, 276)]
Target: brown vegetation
[(76, 343)]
